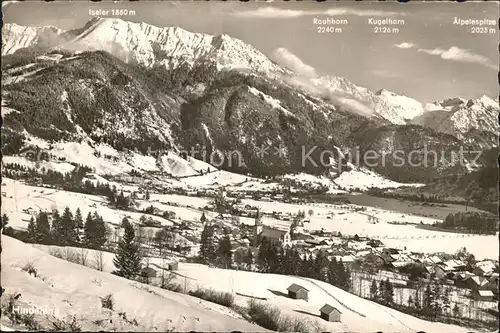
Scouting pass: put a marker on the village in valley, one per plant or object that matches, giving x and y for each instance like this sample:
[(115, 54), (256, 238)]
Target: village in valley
[(184, 232)]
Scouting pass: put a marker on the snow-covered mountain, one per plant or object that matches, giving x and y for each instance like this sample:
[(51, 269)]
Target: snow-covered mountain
[(172, 47), (396, 109), (402, 106), (462, 118), (147, 44), (183, 96), (15, 37)]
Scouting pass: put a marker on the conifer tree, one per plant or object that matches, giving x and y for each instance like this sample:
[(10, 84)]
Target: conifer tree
[(249, 258), (320, 266), (388, 292), (127, 260), (374, 290), (42, 228), (68, 228), (95, 235), (445, 300), (78, 221), (32, 230), (305, 266), (456, 310), (293, 261), (344, 277), (208, 249), (296, 261), (57, 228), (88, 230), (437, 296), (332, 273), (100, 234), (224, 251), (427, 301), (5, 221), (269, 258)]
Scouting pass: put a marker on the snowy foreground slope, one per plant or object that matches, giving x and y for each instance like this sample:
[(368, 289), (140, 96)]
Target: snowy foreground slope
[(358, 314), (72, 289)]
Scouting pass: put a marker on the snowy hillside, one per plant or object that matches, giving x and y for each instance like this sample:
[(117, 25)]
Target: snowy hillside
[(363, 179), (105, 160), (408, 107), (153, 309), (358, 314), (172, 47), (15, 37), (94, 97), (146, 44), (459, 117), (396, 109)]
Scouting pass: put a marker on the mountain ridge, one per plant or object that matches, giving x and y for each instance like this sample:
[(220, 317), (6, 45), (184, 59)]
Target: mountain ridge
[(194, 96), (172, 47)]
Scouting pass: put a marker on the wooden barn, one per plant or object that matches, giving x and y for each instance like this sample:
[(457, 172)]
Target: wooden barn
[(296, 291), (329, 313), (148, 272), (173, 266)]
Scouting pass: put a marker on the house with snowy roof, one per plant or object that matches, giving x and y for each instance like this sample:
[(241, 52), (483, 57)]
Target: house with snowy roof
[(281, 235), (484, 267), (476, 283), (483, 295)]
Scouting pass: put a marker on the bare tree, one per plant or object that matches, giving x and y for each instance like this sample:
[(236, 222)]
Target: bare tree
[(163, 239), (98, 260), (83, 256), (71, 255)]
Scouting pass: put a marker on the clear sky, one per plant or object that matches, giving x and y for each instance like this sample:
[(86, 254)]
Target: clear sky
[(429, 58)]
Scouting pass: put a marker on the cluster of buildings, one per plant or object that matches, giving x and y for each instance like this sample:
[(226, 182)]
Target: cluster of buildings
[(360, 253)]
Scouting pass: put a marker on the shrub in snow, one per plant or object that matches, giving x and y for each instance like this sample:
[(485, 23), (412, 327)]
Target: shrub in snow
[(270, 317), (98, 260), (264, 315), (166, 283), (30, 269), (107, 302), (8, 310), (29, 321), (219, 297), (8, 307), (68, 326)]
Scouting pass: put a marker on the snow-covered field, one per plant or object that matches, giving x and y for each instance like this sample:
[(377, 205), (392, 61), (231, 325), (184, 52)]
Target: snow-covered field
[(363, 179), (21, 196), (62, 167), (358, 314), (105, 160), (345, 219), (64, 289), (437, 211), (349, 219), (215, 178)]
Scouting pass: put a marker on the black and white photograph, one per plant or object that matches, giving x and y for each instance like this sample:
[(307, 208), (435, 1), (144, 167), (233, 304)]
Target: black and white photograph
[(221, 166)]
